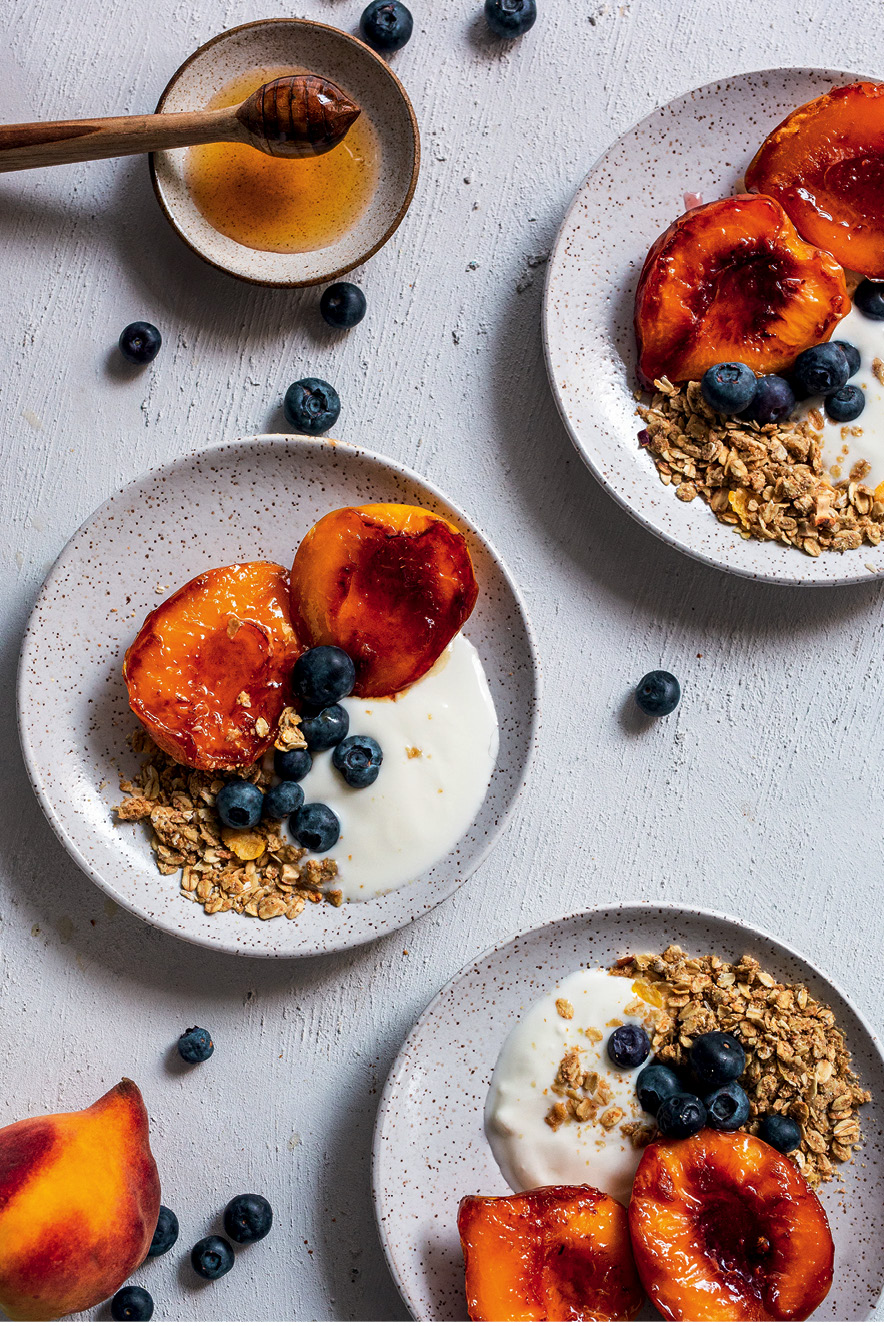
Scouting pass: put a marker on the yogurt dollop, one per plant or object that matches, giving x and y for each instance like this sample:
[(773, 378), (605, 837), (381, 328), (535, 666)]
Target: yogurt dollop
[(846, 444)]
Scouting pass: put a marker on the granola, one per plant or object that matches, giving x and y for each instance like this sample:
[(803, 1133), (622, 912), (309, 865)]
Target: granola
[(797, 1062), (767, 481), (254, 872)]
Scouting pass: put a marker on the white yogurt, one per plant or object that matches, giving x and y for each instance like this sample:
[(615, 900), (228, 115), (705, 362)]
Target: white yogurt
[(529, 1152), (842, 448), (439, 740)]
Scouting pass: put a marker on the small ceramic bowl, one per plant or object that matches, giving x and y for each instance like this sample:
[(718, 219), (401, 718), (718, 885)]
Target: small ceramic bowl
[(302, 44)]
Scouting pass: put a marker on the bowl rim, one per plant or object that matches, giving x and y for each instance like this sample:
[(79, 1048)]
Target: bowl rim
[(415, 164)]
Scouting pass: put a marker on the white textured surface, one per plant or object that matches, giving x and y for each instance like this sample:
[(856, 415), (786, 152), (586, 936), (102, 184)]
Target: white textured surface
[(761, 796)]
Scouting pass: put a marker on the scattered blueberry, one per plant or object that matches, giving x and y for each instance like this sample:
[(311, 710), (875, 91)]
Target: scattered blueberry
[(510, 18), (248, 1218), (212, 1257), (196, 1045), (358, 760), (780, 1132), (140, 342), (681, 1115), (716, 1058), (131, 1303), (729, 388), (727, 1108), (657, 694), (316, 827), (851, 354), (311, 405), (283, 799), (386, 25), (774, 400), (166, 1233), (628, 1046), (846, 404), (323, 675), (292, 765), (655, 1084), (324, 730), (343, 305), (869, 299), (820, 370), (239, 804)]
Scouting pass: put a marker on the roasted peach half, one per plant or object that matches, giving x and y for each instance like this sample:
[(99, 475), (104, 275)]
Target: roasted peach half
[(388, 583), (733, 279), (552, 1254), (825, 164), (208, 671), (724, 1228)]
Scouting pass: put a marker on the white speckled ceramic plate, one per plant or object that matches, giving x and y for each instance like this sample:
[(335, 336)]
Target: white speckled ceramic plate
[(255, 497), (429, 1144), (699, 143), (296, 43)]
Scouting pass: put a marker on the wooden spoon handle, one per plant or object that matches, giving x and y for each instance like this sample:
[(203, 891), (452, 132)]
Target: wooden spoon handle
[(23, 146)]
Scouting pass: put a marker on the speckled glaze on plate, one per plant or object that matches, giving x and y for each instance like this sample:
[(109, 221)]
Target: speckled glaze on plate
[(429, 1145), (699, 143), (356, 68), (254, 497)]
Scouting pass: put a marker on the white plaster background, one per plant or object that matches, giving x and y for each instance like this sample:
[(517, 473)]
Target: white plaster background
[(762, 796)]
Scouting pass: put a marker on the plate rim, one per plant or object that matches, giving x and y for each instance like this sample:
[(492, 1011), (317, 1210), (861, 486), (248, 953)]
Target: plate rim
[(30, 637), (862, 576), (586, 913)]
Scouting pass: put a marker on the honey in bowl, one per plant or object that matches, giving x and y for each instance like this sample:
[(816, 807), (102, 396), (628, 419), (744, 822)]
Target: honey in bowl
[(280, 206)]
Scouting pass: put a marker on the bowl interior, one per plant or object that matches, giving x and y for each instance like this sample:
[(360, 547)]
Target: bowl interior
[(246, 499), (358, 71)]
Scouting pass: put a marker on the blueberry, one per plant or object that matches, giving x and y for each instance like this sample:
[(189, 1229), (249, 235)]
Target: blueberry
[(283, 799), (166, 1233), (196, 1045), (820, 370), (681, 1115), (869, 299), (323, 675), (292, 765), (851, 354), (343, 305), (248, 1218), (716, 1058), (212, 1257), (386, 25), (324, 730), (657, 694), (316, 827), (727, 1108), (729, 388), (132, 1303), (780, 1132), (655, 1084), (628, 1046), (239, 804), (774, 400), (846, 404), (358, 760), (140, 342), (510, 18), (311, 405)]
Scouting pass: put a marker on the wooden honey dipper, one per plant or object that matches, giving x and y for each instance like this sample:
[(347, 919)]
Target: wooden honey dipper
[(301, 115)]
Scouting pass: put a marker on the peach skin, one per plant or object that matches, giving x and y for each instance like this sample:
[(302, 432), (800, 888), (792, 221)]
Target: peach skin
[(391, 584), (208, 672), (79, 1202)]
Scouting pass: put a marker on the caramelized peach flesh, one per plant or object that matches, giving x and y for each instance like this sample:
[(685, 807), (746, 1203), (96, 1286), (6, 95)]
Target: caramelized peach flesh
[(733, 279), (212, 662), (724, 1228), (390, 584), (825, 165), (552, 1254)]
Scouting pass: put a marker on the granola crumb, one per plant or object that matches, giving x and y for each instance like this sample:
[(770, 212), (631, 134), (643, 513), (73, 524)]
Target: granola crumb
[(413, 752), (564, 1008)]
